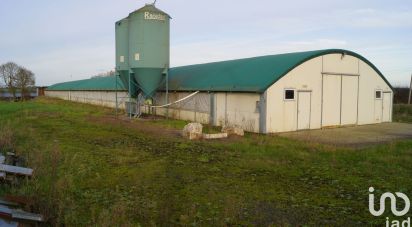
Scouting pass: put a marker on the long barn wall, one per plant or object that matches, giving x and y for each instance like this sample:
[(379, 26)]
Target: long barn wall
[(195, 109), (100, 98), (219, 109)]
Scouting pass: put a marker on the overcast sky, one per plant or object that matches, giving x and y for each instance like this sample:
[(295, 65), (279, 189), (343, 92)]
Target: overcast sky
[(69, 40)]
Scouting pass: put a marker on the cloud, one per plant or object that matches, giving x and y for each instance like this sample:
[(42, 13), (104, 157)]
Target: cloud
[(318, 44), (210, 51), (364, 11), (372, 18)]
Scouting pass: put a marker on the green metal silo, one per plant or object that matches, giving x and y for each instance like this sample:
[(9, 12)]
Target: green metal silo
[(122, 56), (149, 44)]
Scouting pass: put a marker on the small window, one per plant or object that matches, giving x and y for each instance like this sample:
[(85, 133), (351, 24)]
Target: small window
[(289, 94), (257, 110), (378, 94)]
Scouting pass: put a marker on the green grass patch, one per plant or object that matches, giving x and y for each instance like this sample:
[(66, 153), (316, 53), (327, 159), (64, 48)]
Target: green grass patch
[(91, 171), (402, 113), (169, 123)]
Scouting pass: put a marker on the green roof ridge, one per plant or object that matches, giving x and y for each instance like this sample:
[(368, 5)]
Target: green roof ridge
[(237, 75), (94, 84)]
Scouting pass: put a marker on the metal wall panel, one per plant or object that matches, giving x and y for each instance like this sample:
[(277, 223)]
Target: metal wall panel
[(370, 109), (349, 115), (387, 110), (331, 108), (342, 64), (304, 109), (378, 110), (197, 103)]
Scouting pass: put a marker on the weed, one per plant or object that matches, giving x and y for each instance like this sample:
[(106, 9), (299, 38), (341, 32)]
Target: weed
[(7, 138), (402, 113)]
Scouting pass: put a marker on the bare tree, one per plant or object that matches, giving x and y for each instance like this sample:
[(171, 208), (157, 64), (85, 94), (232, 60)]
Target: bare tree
[(24, 80), (8, 73)]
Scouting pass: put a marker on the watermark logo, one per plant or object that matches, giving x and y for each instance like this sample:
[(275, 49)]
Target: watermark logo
[(384, 196), (393, 204)]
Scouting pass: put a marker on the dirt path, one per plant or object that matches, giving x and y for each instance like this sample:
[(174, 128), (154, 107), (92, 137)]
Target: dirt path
[(357, 137)]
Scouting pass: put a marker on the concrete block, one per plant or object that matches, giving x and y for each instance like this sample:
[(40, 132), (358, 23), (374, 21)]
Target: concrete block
[(215, 136), (192, 131)]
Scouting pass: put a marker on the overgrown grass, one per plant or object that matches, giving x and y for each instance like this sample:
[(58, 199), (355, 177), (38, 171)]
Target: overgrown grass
[(402, 113), (91, 171)]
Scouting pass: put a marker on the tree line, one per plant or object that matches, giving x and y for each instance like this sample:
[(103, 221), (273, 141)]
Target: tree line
[(17, 78), (105, 74)]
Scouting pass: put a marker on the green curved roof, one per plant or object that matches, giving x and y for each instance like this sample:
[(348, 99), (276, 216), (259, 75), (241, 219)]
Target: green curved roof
[(242, 75), (93, 84), (245, 75)]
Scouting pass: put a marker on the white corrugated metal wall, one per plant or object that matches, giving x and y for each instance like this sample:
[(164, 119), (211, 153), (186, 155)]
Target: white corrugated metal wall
[(342, 88)]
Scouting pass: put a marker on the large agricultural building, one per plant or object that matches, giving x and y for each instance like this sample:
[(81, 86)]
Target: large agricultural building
[(267, 94)]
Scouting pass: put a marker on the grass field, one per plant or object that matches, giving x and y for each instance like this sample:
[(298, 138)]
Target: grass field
[(402, 113), (94, 169)]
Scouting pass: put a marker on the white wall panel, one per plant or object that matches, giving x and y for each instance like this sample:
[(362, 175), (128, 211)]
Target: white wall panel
[(378, 110), (387, 107), (238, 109), (101, 98), (304, 109), (337, 63), (281, 115), (349, 115), (331, 107), (369, 82)]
